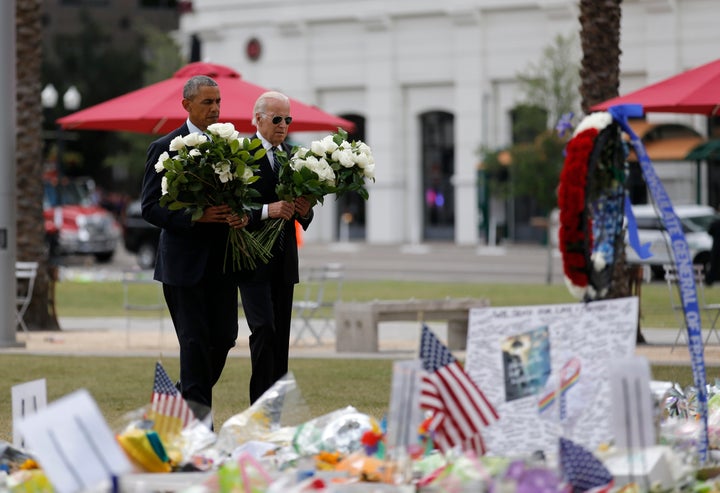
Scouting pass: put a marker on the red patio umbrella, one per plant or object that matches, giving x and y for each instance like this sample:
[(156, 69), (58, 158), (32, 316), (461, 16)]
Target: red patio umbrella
[(694, 91), (157, 109)]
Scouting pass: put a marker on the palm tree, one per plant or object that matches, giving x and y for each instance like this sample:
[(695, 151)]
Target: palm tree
[(600, 81), (600, 41), (30, 223)]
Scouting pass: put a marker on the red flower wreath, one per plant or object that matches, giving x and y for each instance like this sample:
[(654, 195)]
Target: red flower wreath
[(574, 222)]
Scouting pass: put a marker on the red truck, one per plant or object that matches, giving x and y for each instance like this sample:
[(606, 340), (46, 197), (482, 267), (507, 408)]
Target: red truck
[(74, 223)]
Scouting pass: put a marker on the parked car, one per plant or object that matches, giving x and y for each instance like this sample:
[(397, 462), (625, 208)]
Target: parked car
[(696, 221), (74, 224), (139, 236)]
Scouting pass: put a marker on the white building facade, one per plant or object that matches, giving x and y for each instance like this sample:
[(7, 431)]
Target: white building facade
[(431, 84)]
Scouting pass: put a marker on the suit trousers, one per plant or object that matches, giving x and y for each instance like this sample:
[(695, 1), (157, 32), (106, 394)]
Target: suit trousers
[(205, 317), (268, 310)]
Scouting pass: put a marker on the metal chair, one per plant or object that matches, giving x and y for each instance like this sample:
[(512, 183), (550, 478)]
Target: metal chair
[(711, 310), (318, 301), (25, 275), (136, 298)]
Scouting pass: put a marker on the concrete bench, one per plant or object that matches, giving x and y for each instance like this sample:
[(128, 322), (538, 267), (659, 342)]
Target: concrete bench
[(356, 323)]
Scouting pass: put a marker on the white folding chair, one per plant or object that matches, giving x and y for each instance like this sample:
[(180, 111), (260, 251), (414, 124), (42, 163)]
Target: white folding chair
[(136, 299), (711, 310), (671, 279), (316, 305), (25, 275)]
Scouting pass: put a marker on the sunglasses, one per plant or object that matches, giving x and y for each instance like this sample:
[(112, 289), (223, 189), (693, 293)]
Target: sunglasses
[(277, 119)]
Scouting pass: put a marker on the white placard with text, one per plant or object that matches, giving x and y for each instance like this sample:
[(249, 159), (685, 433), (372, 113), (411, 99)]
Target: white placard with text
[(545, 368)]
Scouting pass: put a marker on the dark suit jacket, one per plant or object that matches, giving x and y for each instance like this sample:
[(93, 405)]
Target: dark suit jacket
[(283, 266), (187, 251)]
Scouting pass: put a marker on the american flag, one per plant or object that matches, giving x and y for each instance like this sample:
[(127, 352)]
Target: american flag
[(168, 410), (459, 407), (584, 471)]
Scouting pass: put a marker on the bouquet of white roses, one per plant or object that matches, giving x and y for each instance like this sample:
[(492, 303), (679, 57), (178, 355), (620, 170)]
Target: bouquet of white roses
[(352, 162), (213, 169), (330, 165)]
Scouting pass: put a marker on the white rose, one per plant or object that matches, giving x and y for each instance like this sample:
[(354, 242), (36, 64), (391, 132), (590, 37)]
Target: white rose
[(318, 148), (369, 171), (344, 157), (363, 148), (361, 160), (195, 153), (164, 185), (223, 130), (301, 153), (194, 139), (247, 174), (177, 143), (329, 144), (297, 164), (159, 165), (223, 172)]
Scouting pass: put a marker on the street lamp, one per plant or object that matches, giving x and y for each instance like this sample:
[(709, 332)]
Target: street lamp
[(71, 101)]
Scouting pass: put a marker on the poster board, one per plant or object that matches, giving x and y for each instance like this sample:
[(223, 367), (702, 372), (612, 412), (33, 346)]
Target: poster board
[(515, 354)]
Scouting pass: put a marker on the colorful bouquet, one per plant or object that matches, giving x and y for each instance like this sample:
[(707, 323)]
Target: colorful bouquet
[(213, 169), (330, 165)]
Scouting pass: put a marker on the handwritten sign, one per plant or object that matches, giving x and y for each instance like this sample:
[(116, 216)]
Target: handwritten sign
[(73, 443), (513, 351)]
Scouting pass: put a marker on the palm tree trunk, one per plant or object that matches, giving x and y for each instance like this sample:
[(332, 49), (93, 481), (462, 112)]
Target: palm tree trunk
[(30, 222), (599, 81)]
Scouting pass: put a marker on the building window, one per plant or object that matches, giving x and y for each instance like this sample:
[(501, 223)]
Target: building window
[(438, 167)]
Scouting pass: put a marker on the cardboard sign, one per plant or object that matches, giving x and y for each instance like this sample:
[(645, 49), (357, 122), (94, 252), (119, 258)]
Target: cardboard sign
[(404, 415), (633, 422), (27, 398), (545, 369), (73, 443)]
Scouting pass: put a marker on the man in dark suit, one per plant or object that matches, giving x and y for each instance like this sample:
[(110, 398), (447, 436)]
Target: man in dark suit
[(267, 294), (201, 296)]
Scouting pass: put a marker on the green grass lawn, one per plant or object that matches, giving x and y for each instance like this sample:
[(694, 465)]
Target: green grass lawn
[(123, 384), (85, 299)]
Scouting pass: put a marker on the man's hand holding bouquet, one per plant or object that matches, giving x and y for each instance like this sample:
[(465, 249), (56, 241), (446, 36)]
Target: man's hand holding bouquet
[(330, 165), (213, 172)]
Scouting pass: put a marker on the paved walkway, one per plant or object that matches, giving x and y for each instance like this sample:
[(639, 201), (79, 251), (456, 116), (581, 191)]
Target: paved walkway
[(114, 336)]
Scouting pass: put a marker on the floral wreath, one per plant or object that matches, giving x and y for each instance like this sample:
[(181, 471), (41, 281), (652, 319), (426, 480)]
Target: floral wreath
[(591, 199)]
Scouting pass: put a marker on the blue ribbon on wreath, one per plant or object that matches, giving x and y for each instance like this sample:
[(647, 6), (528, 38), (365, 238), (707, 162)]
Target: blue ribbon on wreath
[(642, 250), (683, 265)]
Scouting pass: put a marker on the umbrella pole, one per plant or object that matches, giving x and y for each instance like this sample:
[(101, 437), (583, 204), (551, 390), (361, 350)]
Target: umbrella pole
[(698, 189)]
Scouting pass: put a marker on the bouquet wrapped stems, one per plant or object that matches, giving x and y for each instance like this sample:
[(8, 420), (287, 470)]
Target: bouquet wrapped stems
[(270, 232), (245, 249)]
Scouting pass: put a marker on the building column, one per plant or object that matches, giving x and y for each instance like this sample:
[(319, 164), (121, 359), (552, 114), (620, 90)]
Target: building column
[(386, 215), (467, 38)]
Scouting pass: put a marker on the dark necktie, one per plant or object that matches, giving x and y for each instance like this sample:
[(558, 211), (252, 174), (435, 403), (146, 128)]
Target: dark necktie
[(275, 164)]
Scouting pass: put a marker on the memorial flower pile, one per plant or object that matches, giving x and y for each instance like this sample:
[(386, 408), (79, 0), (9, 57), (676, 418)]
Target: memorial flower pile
[(215, 168)]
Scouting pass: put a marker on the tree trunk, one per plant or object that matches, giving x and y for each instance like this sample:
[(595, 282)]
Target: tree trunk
[(600, 81), (30, 222)]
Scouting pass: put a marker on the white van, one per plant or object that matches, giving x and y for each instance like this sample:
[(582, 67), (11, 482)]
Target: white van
[(696, 220)]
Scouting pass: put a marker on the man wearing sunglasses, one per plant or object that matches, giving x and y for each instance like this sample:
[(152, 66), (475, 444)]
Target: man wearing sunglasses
[(267, 292)]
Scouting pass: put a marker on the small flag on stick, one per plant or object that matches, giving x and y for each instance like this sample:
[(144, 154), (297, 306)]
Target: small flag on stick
[(459, 407), (168, 410)]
